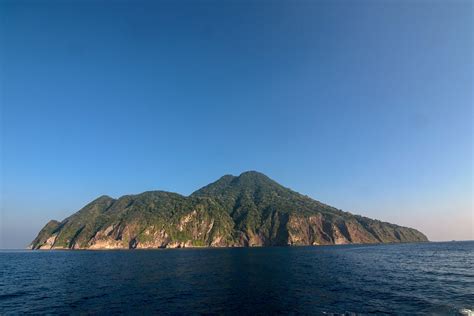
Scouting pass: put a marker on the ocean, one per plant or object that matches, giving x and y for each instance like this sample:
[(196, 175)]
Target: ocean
[(409, 279)]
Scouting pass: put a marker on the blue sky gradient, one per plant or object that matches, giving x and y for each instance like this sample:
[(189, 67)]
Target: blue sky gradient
[(364, 105)]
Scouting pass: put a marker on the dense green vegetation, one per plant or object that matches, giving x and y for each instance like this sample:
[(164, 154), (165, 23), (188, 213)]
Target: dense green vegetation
[(248, 210)]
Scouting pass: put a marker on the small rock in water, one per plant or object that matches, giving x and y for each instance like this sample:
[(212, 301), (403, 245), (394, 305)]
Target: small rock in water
[(466, 312)]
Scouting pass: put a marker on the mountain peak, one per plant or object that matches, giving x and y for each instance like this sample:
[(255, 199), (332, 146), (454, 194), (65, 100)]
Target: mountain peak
[(246, 181), (256, 177), (102, 198), (252, 173)]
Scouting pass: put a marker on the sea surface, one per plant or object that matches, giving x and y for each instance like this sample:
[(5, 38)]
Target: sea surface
[(422, 278)]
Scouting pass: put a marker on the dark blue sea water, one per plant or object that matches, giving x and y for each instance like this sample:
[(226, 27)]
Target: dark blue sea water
[(425, 278)]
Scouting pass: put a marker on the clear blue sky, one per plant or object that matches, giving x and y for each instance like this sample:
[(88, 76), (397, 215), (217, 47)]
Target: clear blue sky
[(364, 105)]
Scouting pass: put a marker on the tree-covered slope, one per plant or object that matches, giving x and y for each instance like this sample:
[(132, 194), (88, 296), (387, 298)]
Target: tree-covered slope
[(248, 210)]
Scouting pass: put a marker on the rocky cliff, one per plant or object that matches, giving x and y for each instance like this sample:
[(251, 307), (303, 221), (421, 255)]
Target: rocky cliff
[(248, 210)]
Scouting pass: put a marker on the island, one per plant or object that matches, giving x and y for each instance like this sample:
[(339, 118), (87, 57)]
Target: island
[(248, 210)]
